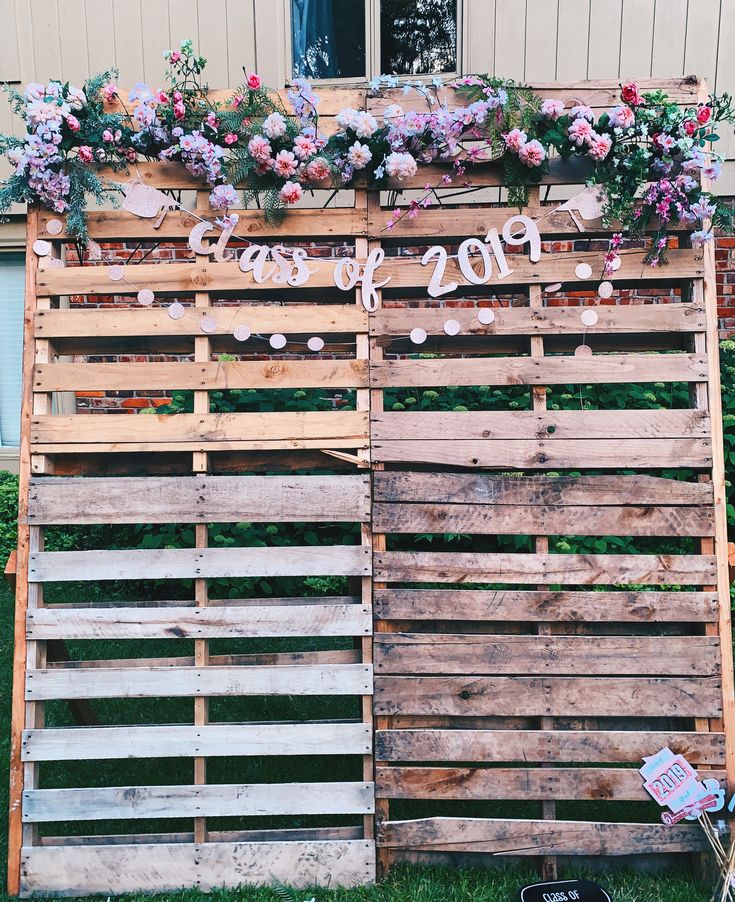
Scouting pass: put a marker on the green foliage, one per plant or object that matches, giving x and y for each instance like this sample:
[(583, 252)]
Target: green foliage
[(8, 514)]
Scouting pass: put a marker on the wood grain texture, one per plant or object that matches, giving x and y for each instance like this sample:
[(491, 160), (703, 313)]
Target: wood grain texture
[(539, 606), (545, 569), (191, 682), (444, 653), (161, 867), (552, 696), (219, 800), (213, 499), (534, 837), (187, 741), (205, 563), (544, 746)]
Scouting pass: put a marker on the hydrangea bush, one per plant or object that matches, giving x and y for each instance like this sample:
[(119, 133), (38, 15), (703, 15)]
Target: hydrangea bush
[(650, 155)]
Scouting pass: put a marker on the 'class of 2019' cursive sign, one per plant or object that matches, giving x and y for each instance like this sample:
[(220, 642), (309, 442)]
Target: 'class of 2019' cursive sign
[(290, 268)]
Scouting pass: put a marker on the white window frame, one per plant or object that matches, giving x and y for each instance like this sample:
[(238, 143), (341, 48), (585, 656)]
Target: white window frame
[(372, 46)]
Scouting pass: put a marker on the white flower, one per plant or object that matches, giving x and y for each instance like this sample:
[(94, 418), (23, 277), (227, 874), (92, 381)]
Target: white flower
[(347, 118), (400, 166), (394, 111), (77, 98), (275, 126), (34, 91), (582, 112), (359, 155), (54, 89), (365, 125)]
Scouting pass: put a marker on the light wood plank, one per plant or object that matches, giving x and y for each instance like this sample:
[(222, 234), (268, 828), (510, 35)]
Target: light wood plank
[(538, 606), (220, 800), (205, 563), (544, 746), (200, 623), (214, 499), (550, 696), (162, 867), (188, 682), (187, 741), (435, 653)]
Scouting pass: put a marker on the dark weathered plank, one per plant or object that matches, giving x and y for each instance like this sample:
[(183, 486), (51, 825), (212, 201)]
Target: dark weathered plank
[(539, 606), (545, 569), (551, 697), (430, 653)]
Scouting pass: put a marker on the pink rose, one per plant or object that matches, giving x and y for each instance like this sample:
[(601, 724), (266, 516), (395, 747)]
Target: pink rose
[(631, 95), (107, 135), (131, 154), (110, 92), (178, 95), (291, 192), (175, 56), (85, 153), (552, 109), (230, 138), (515, 139), (704, 114), (72, 122), (179, 110), (254, 81), (690, 126), (532, 153), (162, 97)]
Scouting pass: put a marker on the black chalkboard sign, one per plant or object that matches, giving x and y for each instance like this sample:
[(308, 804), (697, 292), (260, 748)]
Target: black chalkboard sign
[(564, 891)]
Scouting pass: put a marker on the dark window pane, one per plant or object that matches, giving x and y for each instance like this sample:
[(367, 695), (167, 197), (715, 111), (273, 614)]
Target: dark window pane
[(328, 38), (418, 36)]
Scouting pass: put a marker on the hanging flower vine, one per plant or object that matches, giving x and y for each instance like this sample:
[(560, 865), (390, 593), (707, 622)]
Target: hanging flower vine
[(647, 154)]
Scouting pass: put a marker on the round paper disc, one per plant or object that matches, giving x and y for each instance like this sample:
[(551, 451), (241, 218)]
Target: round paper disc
[(550, 289), (116, 273), (583, 271), (485, 316), (452, 327), (277, 341), (176, 310), (418, 335), (208, 325), (315, 343), (55, 263), (605, 289), (54, 226), (241, 333), (589, 317), (583, 351), (615, 264), (41, 248), (146, 297)]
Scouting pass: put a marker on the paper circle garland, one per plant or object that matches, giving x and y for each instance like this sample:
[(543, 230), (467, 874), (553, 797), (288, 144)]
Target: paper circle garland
[(41, 248), (208, 325), (589, 317), (605, 289), (55, 263), (146, 297), (485, 316), (116, 273), (583, 271), (452, 327), (176, 310), (315, 343), (277, 341), (241, 333), (418, 335), (550, 289), (615, 264), (583, 351), (54, 226)]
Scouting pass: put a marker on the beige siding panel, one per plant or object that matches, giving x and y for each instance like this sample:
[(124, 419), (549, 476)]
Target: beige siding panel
[(479, 36), (703, 26), (726, 82), (9, 55), (73, 39), (240, 40), (213, 29), (541, 23), (46, 44), (99, 19), (24, 32), (636, 40), (510, 39), (571, 40), (604, 40), (184, 22), (270, 41), (156, 39), (669, 36), (128, 41)]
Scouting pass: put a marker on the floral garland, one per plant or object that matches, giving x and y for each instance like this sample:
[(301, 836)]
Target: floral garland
[(646, 153)]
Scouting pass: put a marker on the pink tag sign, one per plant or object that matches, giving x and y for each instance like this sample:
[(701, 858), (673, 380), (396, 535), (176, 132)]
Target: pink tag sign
[(671, 780)]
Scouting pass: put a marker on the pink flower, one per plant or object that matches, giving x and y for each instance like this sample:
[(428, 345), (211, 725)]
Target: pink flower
[(107, 135), (622, 117), (579, 132), (131, 154), (72, 122), (631, 95), (359, 155), (532, 153), (254, 81), (552, 109), (581, 111), (291, 191), (599, 146), (230, 138), (285, 164), (178, 96), (689, 126), (400, 166), (174, 56), (109, 92), (317, 170), (179, 110), (85, 153), (161, 96), (304, 147), (259, 149), (515, 139), (704, 114)]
